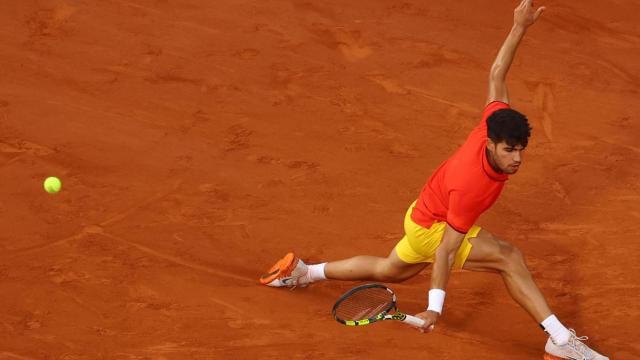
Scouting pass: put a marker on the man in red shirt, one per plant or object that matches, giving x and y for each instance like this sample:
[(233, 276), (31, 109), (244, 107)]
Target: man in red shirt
[(439, 225)]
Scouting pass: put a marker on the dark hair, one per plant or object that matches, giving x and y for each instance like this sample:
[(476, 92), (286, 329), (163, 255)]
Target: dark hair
[(510, 126)]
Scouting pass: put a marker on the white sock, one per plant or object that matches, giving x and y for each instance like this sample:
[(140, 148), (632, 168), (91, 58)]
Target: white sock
[(316, 272), (559, 334)]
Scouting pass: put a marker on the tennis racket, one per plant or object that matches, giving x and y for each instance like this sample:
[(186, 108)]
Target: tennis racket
[(366, 304)]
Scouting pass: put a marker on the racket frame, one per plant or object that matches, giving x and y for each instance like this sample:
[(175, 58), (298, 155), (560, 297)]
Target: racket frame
[(384, 315)]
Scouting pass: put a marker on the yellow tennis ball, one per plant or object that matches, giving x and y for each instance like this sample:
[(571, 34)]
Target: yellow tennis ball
[(52, 184)]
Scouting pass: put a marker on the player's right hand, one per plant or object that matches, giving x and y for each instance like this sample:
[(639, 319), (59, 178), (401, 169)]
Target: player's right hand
[(430, 318)]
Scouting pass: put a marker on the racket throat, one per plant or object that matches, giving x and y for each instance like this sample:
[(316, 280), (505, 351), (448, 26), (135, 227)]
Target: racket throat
[(400, 317)]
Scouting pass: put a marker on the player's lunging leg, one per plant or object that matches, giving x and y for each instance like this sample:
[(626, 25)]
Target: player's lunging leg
[(291, 271), (389, 269), (494, 255)]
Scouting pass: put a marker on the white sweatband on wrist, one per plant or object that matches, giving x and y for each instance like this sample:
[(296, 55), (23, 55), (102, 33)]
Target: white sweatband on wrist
[(436, 300)]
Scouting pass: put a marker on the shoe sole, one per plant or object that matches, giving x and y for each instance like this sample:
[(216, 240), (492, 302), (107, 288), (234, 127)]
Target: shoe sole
[(548, 356), (284, 265)]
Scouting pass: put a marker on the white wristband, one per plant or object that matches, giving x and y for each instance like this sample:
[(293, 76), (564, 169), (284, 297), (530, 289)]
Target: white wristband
[(436, 300)]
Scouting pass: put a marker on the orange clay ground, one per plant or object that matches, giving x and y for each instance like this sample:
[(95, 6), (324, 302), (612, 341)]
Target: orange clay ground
[(198, 141)]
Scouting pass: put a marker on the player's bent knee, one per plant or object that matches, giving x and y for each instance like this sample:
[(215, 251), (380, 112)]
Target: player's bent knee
[(512, 258)]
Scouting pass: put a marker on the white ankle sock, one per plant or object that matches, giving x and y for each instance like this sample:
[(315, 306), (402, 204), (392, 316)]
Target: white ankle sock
[(316, 272), (559, 334)]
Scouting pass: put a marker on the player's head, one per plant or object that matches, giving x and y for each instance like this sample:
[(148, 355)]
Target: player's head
[(508, 134)]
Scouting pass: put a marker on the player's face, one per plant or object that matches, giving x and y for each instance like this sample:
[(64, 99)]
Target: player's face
[(505, 157)]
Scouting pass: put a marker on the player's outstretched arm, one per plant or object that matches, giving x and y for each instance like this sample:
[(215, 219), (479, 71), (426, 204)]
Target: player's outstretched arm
[(444, 260), (524, 16)]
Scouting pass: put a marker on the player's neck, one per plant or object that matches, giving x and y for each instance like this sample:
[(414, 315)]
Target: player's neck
[(492, 161)]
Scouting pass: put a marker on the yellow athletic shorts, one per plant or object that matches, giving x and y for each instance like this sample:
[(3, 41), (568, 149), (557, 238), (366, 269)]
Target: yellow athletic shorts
[(419, 244)]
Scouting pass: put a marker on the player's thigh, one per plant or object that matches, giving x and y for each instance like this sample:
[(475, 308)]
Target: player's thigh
[(400, 269), (488, 253)]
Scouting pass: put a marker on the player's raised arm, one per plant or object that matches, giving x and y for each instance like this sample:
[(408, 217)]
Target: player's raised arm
[(524, 16)]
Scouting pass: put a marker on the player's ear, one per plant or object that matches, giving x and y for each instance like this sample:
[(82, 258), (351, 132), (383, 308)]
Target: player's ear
[(490, 144)]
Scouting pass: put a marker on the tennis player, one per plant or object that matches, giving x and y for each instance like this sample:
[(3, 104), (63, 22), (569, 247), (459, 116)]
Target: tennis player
[(439, 225)]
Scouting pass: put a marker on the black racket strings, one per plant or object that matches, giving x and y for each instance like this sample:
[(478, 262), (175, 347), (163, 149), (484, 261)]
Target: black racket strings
[(365, 304)]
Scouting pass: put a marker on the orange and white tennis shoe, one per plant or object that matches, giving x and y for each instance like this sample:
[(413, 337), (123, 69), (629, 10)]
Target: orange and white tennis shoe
[(575, 349), (289, 271)]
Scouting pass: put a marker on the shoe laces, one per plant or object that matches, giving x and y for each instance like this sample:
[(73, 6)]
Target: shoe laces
[(575, 342), (295, 281), (581, 338)]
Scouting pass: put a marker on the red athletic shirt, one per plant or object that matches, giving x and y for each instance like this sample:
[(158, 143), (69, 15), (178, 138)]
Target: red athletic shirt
[(464, 186)]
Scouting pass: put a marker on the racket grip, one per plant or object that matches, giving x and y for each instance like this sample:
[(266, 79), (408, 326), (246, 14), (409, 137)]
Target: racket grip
[(414, 321)]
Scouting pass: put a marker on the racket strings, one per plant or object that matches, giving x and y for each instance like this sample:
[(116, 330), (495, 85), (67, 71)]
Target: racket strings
[(365, 304)]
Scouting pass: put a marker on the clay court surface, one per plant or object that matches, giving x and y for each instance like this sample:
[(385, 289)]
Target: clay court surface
[(199, 141)]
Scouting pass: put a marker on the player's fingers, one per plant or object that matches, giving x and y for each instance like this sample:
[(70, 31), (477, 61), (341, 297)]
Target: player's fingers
[(425, 328), (539, 12)]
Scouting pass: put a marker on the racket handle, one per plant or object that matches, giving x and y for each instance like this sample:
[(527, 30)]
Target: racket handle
[(414, 321)]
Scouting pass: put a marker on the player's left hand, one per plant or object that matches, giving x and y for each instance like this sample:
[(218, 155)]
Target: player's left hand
[(430, 318), (525, 14)]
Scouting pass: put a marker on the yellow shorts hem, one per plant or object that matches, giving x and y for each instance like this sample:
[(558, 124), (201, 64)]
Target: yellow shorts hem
[(419, 243)]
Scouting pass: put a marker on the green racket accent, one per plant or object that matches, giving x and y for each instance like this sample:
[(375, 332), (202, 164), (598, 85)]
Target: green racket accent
[(367, 304), (361, 322), (396, 316)]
